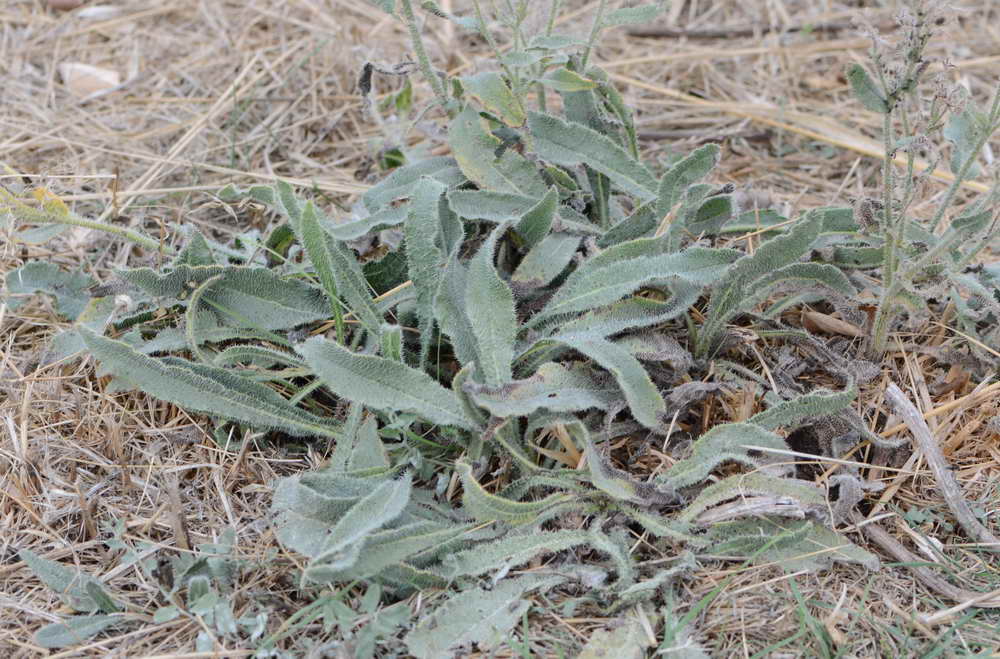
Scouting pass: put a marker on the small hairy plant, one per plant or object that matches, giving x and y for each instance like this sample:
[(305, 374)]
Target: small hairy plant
[(487, 324), (914, 254)]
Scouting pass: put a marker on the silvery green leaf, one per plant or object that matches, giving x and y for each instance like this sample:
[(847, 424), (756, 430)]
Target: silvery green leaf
[(477, 615), (393, 546), (963, 131), (635, 312), (73, 631), (73, 586), (720, 444), (385, 218), (379, 507), (69, 288), (196, 251), (553, 387), (643, 398), (391, 342), (806, 275), (383, 384), (545, 261), (816, 403), (571, 144), (510, 551), (368, 451), (622, 639), (654, 346), (865, 90), (795, 545), (68, 342), (449, 310), (402, 181), (534, 225), (423, 254), (684, 174), (338, 269), (41, 234), (603, 279), (489, 304), (642, 222), (554, 41), (711, 214), (305, 506), (489, 205), (753, 484), (475, 149), (486, 507), (731, 293), (640, 15), (492, 92), (243, 297), (564, 80), (261, 193), (205, 388)]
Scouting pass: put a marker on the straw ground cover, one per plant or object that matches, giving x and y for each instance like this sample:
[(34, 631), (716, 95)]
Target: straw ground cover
[(95, 475)]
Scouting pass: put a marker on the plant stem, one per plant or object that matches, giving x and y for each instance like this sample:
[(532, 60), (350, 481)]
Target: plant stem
[(594, 29), (423, 61), (515, 81), (37, 216), (892, 236)]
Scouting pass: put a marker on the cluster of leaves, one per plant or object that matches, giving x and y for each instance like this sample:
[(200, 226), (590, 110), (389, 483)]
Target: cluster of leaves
[(520, 314), (199, 586)]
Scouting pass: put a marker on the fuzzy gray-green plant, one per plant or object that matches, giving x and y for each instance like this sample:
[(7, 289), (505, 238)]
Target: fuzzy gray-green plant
[(541, 291)]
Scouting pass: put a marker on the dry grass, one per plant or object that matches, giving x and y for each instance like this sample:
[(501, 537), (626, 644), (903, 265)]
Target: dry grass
[(217, 92)]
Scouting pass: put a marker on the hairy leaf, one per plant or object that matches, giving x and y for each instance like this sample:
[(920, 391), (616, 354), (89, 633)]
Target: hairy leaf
[(796, 545), (449, 310), (424, 256), (69, 288), (602, 281), (553, 387), (816, 403), (511, 551), (73, 631), (486, 507), (338, 269), (73, 586), (566, 81), (730, 294), (403, 180), (489, 304), (644, 400), (719, 445), (345, 538), (206, 389), (383, 384), (477, 615), (682, 175), (475, 149), (546, 260), (490, 90), (571, 144), (963, 131), (752, 484), (243, 297), (865, 90)]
